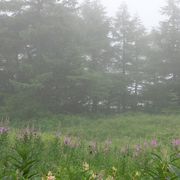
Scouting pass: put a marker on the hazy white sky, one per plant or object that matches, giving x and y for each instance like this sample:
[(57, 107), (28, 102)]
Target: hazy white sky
[(148, 10)]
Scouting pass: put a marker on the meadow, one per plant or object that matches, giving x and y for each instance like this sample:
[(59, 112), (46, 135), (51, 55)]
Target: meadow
[(130, 146)]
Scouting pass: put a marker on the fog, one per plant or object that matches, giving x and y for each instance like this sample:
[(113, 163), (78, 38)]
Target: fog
[(148, 10), (87, 94), (71, 57)]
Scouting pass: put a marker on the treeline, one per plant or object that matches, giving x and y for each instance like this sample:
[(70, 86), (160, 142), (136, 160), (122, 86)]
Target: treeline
[(66, 57)]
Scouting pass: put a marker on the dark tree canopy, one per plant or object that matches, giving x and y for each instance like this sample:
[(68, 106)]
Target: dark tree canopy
[(66, 57)]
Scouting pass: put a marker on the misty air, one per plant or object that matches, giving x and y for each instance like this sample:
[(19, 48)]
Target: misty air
[(89, 89)]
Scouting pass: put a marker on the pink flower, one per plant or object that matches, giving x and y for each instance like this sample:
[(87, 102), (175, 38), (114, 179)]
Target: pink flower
[(3, 130), (154, 143), (176, 143)]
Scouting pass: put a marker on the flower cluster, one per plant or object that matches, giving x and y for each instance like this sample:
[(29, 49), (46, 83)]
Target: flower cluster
[(72, 143), (91, 175), (140, 148), (3, 130), (28, 134), (85, 166), (49, 176)]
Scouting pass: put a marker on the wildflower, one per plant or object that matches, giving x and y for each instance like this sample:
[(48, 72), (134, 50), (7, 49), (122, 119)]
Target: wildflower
[(138, 147), (154, 143), (3, 130), (67, 141), (17, 174), (109, 178), (114, 171), (28, 134), (85, 166), (107, 145), (137, 174), (50, 176), (100, 175), (138, 150), (176, 143), (93, 176), (93, 147)]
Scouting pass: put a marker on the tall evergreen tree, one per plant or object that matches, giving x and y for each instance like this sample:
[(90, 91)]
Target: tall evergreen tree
[(170, 45), (97, 49), (123, 44)]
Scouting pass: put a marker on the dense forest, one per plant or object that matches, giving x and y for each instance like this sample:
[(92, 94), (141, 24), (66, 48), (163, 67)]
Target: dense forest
[(62, 56)]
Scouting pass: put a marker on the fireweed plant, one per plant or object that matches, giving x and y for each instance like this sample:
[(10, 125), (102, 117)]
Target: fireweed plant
[(28, 155)]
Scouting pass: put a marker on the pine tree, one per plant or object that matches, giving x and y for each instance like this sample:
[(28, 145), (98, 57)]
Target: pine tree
[(123, 44), (170, 44)]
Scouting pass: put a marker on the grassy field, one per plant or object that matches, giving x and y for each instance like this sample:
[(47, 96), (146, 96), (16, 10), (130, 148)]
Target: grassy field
[(82, 148), (121, 130)]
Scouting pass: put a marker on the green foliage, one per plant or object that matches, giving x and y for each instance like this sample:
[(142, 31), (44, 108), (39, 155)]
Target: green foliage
[(164, 167), (23, 158)]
